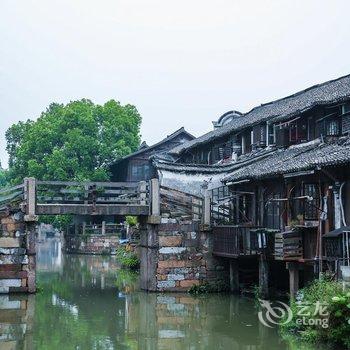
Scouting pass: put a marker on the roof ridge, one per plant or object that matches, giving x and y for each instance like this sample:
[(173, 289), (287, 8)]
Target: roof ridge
[(283, 108), (298, 92)]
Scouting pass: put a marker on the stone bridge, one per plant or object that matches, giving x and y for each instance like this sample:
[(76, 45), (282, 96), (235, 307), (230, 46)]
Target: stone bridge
[(175, 242)]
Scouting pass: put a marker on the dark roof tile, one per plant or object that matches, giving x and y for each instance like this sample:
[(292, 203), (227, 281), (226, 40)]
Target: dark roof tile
[(334, 91)]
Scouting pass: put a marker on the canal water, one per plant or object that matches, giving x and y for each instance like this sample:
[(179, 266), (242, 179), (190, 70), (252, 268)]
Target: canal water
[(87, 302)]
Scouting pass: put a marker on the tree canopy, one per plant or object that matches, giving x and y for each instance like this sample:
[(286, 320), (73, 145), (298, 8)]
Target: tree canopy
[(3, 177), (76, 141)]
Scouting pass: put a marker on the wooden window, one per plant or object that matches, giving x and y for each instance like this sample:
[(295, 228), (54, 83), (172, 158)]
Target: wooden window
[(221, 213), (282, 136), (272, 213), (329, 126), (332, 127), (346, 118), (346, 108), (293, 133), (140, 172), (259, 135), (272, 135), (311, 211), (310, 129), (246, 142)]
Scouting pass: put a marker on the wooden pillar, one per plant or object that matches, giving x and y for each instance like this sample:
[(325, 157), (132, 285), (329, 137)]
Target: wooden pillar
[(293, 278), (261, 206), (84, 228), (288, 204), (263, 276), (254, 209), (234, 276)]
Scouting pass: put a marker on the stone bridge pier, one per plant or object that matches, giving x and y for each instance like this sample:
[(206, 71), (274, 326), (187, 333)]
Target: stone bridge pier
[(177, 256), (17, 252)]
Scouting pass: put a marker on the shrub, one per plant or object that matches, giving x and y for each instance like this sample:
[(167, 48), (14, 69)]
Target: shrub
[(127, 259), (205, 288), (131, 221), (338, 307)]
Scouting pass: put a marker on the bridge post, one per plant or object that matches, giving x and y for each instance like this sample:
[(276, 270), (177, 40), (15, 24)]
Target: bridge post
[(148, 255), (155, 197), (207, 208), (30, 195), (143, 192), (30, 223)]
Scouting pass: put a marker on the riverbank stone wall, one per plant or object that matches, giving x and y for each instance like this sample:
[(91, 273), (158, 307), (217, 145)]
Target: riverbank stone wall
[(176, 256), (17, 253), (91, 244)]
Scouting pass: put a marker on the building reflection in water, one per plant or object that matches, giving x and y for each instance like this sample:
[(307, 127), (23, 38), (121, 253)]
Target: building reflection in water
[(49, 255), (88, 302)]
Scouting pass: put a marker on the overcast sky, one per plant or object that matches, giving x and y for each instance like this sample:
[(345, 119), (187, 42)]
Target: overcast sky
[(182, 63)]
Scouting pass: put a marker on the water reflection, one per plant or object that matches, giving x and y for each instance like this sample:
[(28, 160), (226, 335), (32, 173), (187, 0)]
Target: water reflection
[(87, 302)]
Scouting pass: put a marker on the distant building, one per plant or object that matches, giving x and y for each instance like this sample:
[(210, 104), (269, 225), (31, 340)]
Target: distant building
[(137, 166)]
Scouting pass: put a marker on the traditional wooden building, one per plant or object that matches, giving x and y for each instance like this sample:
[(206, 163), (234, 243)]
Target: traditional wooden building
[(138, 166), (279, 180)]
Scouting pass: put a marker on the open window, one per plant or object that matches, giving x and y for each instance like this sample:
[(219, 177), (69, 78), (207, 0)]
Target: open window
[(272, 212), (311, 205), (291, 132), (330, 124), (259, 136)]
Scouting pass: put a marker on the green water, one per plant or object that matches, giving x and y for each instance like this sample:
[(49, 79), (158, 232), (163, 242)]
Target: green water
[(87, 302)]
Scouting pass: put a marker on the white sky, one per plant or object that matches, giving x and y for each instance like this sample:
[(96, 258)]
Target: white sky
[(182, 63)]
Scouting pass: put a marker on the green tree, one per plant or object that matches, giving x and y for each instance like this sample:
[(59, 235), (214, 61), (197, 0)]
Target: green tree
[(14, 137), (77, 141), (3, 177)]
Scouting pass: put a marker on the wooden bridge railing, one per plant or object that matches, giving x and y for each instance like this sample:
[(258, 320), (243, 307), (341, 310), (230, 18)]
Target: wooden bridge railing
[(11, 196), (180, 204), (59, 192), (106, 198), (71, 197)]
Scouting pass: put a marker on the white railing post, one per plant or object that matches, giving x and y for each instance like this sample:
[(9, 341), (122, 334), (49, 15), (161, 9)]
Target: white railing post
[(155, 197), (30, 196), (207, 208)]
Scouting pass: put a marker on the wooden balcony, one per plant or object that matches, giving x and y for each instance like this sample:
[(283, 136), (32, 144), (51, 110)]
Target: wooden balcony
[(299, 244), (237, 241)]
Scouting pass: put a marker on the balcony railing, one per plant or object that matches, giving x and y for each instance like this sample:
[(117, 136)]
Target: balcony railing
[(235, 241)]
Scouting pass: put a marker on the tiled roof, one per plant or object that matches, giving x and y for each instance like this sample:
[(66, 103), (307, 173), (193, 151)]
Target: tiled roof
[(164, 164), (334, 91), (145, 148), (309, 156)]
